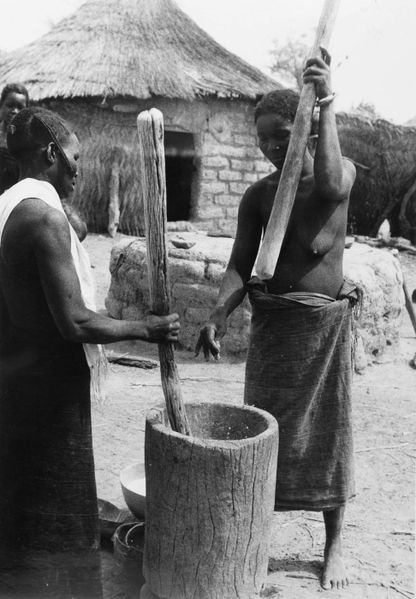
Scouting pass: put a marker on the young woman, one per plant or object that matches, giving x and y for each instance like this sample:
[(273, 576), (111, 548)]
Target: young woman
[(299, 358)]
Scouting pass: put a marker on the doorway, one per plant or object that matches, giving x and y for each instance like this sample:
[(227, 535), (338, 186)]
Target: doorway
[(180, 172)]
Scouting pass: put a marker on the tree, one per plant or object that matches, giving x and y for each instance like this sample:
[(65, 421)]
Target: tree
[(367, 109), (289, 61)]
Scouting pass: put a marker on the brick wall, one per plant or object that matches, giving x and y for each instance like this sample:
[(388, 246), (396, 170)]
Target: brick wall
[(230, 162), (227, 158)]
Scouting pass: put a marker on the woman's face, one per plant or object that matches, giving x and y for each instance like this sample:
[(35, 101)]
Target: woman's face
[(12, 104), (67, 157), (273, 136)]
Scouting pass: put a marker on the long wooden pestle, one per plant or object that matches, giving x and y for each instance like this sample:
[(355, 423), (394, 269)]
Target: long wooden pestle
[(285, 196), (153, 184)]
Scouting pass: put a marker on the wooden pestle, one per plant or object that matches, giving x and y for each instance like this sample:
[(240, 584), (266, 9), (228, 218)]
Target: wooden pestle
[(286, 192), (153, 183)]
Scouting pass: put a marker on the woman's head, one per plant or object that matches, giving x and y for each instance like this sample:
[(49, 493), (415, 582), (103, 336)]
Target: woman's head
[(280, 102), (45, 145), (274, 116), (14, 97)]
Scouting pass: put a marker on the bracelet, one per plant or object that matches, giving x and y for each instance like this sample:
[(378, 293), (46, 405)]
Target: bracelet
[(325, 101)]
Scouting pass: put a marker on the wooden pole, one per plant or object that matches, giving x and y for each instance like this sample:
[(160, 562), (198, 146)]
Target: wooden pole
[(114, 202), (292, 168), (409, 305), (153, 183)]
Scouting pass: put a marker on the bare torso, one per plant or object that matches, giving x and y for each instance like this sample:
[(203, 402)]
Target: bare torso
[(311, 255)]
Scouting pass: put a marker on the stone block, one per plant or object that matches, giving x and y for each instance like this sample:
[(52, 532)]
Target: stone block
[(186, 271), (214, 187), (377, 273), (244, 140), (219, 128), (210, 211), (262, 166), (212, 148), (250, 177), (228, 226), (196, 317), (215, 161), (242, 165), (214, 273), (194, 295), (239, 188), (231, 212), (230, 175), (184, 254), (228, 199), (234, 151), (209, 174)]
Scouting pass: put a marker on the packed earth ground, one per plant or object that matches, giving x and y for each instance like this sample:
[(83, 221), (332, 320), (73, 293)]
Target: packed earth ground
[(380, 524)]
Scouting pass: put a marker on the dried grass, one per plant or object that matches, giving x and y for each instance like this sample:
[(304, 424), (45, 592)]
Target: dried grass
[(131, 48), (390, 153)]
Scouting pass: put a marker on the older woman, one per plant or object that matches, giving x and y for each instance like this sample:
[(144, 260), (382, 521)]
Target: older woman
[(48, 334)]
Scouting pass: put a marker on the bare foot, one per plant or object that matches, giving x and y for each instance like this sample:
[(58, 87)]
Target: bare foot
[(334, 575)]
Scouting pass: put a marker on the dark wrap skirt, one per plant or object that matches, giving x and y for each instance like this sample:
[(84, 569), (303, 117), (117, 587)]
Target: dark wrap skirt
[(299, 369), (49, 527)]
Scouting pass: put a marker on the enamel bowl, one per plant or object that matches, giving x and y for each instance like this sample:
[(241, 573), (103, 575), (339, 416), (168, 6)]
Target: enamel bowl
[(133, 484)]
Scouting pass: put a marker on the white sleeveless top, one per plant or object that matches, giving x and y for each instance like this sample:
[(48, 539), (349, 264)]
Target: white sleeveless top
[(42, 190)]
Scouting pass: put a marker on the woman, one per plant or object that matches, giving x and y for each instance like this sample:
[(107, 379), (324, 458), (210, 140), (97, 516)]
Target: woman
[(48, 330)]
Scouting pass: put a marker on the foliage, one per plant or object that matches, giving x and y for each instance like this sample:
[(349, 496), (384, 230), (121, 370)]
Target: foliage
[(367, 109), (289, 60)]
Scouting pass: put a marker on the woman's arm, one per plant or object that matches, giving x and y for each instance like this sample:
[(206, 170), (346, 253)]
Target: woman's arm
[(240, 265), (334, 176), (51, 244)]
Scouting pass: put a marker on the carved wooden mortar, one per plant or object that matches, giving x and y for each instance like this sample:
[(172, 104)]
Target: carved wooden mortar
[(210, 499)]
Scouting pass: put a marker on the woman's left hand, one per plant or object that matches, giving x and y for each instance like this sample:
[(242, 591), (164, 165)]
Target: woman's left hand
[(317, 71)]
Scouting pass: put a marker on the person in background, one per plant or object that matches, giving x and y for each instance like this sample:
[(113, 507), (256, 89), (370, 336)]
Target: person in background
[(13, 98)]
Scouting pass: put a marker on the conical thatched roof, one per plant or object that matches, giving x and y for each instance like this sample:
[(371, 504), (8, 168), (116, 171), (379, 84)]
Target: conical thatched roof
[(135, 48)]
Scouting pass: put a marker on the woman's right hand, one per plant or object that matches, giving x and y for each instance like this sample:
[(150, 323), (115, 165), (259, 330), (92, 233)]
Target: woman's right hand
[(162, 329), (209, 339)]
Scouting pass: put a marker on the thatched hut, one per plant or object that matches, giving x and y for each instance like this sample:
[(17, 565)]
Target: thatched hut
[(386, 174), (110, 60)]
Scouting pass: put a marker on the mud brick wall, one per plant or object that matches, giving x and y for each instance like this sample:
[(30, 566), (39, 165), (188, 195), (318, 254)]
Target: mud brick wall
[(230, 163), (196, 273)]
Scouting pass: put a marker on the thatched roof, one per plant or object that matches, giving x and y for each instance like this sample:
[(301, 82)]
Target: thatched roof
[(388, 154), (133, 48)]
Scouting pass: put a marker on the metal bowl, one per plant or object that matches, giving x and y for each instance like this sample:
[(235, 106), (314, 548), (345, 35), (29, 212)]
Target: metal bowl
[(133, 485)]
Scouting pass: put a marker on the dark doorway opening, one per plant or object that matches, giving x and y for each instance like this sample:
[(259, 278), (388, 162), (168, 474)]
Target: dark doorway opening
[(180, 171)]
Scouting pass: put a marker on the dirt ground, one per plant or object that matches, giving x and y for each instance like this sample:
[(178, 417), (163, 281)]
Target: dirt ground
[(379, 532)]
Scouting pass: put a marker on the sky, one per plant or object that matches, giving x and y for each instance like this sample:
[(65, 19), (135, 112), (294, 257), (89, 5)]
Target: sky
[(372, 46)]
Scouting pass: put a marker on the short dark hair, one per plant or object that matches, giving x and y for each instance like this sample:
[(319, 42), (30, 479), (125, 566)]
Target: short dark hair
[(33, 128), (283, 102), (14, 88)]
